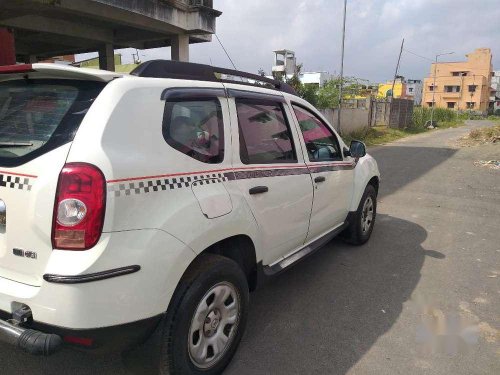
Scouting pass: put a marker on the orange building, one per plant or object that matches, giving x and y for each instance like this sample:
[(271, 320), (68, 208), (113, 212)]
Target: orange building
[(461, 85)]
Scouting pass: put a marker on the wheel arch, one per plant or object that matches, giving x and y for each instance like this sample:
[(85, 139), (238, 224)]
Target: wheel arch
[(239, 248), (366, 173)]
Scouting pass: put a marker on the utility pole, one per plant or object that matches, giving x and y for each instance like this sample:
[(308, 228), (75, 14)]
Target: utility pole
[(397, 69), (434, 84), (342, 67)]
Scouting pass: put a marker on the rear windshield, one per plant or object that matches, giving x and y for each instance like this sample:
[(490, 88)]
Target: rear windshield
[(38, 115)]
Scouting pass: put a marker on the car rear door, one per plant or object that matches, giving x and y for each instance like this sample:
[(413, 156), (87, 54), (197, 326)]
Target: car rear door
[(38, 119), (270, 171), (332, 176)]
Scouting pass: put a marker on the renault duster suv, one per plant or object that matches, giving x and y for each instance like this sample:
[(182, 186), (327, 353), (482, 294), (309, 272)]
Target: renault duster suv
[(154, 202)]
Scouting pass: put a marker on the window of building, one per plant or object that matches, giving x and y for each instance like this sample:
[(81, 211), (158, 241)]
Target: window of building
[(472, 88), (429, 104), (195, 128), (452, 88), (265, 135), (410, 89), (459, 74), (321, 142), (470, 105), (431, 87), (451, 105)]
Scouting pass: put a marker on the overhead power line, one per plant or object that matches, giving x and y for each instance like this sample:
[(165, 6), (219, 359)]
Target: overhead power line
[(416, 54), (227, 54)]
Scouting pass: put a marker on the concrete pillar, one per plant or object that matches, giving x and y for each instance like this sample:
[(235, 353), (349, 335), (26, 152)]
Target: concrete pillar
[(107, 57), (7, 47), (180, 48)]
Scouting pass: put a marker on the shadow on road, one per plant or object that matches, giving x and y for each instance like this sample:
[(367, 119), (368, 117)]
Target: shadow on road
[(323, 315), (400, 165)]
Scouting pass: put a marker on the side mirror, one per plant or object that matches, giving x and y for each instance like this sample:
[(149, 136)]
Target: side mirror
[(357, 149)]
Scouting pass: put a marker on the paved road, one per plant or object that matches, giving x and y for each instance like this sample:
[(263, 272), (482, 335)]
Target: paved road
[(394, 306)]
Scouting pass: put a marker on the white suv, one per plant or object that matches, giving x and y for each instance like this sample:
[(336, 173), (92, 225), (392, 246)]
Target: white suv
[(156, 201)]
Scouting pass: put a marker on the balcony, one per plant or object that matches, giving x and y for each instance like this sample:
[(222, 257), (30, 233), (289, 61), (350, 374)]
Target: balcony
[(451, 95)]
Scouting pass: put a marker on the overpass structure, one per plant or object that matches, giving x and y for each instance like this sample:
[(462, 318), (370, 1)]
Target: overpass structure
[(31, 30)]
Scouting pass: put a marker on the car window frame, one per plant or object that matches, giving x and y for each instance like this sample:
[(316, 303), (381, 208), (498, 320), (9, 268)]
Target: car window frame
[(271, 101), (308, 110), (207, 95)]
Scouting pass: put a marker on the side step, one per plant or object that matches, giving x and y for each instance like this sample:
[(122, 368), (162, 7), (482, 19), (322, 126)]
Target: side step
[(304, 252)]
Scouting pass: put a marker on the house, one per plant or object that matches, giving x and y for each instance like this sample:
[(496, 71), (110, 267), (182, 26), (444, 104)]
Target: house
[(460, 85), (414, 89), (495, 92), (385, 90)]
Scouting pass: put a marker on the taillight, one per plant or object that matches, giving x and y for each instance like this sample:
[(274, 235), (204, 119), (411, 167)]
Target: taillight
[(79, 207)]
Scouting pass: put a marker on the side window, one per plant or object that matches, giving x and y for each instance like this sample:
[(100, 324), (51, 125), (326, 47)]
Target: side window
[(321, 142), (195, 128), (264, 133)]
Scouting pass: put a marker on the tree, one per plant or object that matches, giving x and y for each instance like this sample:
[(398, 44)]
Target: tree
[(328, 95), (307, 92), (261, 72)]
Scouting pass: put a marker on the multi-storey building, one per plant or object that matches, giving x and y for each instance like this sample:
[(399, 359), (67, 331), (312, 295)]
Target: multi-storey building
[(461, 85), (495, 92), (414, 90)]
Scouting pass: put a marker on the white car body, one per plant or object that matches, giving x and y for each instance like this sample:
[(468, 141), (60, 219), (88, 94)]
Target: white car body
[(161, 230)]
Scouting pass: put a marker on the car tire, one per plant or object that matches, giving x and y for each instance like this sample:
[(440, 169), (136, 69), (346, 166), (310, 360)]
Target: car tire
[(206, 318), (361, 223)]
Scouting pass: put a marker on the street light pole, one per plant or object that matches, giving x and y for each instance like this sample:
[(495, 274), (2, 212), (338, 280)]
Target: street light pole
[(434, 84), (342, 68)]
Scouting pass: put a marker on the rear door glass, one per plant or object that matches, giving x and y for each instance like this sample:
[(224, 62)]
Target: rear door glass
[(265, 136), (39, 115)]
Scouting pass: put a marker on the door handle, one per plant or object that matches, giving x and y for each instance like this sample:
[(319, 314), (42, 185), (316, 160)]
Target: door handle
[(258, 190), (320, 179)]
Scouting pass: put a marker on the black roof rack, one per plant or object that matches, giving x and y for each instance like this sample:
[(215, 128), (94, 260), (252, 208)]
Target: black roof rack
[(201, 72)]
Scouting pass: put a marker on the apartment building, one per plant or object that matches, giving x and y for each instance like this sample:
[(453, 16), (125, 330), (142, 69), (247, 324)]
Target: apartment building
[(414, 90), (461, 85), (495, 92)]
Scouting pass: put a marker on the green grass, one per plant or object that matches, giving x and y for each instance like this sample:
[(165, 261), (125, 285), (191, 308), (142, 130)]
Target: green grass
[(378, 135), (381, 134)]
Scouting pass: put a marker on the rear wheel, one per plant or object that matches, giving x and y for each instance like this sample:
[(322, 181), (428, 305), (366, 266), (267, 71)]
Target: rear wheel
[(206, 319), (361, 225)]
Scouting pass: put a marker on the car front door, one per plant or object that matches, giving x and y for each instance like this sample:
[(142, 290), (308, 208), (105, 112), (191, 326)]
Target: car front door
[(270, 171), (332, 176)]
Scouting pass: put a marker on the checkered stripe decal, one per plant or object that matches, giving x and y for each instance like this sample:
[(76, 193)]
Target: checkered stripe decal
[(122, 188), (164, 184), (16, 182)]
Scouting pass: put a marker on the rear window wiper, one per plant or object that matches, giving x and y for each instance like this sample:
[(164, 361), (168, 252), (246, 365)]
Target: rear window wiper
[(16, 144)]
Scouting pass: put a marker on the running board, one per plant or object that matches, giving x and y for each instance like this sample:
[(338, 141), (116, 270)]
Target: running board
[(304, 252)]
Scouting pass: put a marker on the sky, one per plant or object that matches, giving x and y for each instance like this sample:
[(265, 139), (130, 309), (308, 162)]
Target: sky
[(251, 30)]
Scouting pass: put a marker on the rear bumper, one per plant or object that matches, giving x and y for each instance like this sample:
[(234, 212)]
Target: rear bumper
[(44, 339), (97, 288)]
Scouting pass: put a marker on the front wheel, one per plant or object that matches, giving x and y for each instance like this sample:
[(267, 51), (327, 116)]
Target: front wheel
[(206, 319), (362, 222)]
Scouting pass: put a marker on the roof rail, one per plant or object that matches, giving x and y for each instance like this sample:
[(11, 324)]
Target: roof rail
[(201, 72)]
